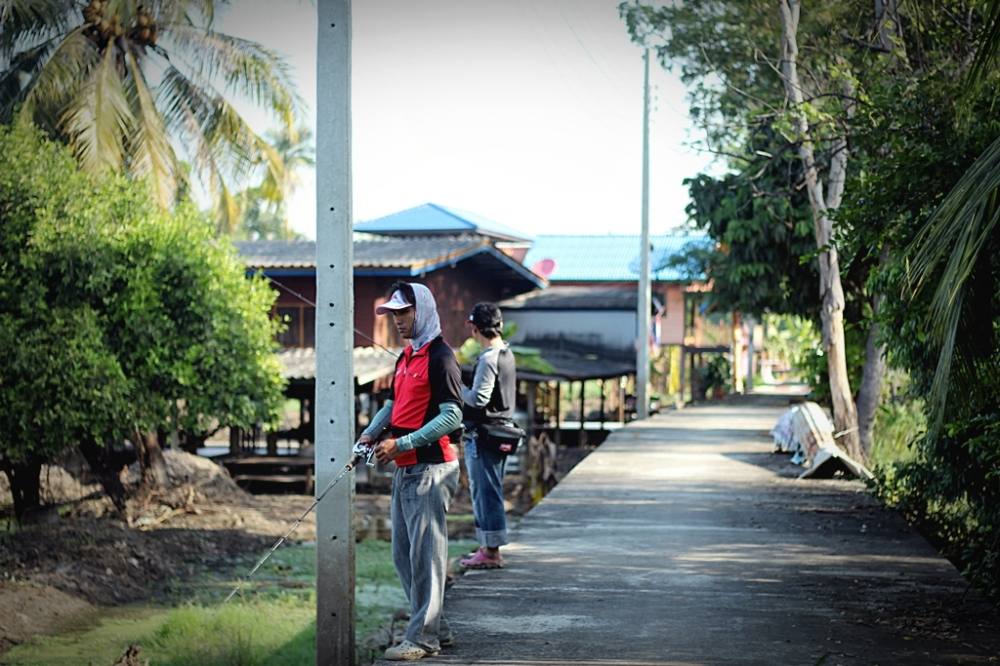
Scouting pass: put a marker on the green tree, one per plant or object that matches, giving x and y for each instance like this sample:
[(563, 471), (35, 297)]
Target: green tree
[(913, 89), (762, 228), (742, 62), (120, 319), (263, 213), (125, 82), (929, 180)]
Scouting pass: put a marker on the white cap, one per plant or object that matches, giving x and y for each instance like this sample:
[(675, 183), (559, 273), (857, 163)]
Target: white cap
[(397, 302)]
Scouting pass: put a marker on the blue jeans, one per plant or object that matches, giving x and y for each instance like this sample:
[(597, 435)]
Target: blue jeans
[(486, 468), (421, 494)]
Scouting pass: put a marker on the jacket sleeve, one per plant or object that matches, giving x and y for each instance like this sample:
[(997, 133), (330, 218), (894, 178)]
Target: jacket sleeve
[(448, 420), (380, 421), (483, 381)]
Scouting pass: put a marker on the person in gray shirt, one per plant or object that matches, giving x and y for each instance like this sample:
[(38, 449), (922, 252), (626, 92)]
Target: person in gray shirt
[(490, 399)]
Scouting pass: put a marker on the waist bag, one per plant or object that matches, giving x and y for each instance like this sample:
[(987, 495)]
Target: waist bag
[(503, 437)]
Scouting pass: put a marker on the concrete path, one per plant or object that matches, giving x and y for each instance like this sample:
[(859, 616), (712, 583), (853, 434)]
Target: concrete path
[(684, 540)]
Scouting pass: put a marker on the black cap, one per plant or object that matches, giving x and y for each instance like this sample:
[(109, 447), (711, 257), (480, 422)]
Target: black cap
[(486, 316)]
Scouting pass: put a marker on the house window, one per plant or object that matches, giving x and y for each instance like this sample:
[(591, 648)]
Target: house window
[(300, 322)]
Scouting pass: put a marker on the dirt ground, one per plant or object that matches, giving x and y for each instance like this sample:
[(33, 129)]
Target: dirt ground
[(87, 556), (90, 557)]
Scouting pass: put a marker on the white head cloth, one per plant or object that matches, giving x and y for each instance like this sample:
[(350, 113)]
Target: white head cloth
[(426, 324)]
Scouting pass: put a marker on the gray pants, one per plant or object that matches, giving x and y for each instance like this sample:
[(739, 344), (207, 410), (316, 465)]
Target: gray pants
[(421, 494)]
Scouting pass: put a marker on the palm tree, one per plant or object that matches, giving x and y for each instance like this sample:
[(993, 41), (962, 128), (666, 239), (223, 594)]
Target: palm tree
[(947, 251), (294, 147), (263, 214), (135, 86)]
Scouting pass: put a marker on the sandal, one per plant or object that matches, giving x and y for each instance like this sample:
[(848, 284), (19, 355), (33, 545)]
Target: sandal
[(480, 560)]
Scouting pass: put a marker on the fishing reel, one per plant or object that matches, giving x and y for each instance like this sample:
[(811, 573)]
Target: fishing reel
[(365, 452)]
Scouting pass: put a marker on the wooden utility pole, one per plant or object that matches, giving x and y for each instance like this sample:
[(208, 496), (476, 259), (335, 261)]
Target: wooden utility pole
[(334, 400), (642, 335)]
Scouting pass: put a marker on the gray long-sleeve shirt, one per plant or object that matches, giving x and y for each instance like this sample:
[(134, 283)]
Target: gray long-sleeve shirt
[(495, 364)]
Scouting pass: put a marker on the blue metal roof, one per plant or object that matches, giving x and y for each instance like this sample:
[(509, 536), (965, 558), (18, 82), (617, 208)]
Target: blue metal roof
[(432, 218), (611, 258)]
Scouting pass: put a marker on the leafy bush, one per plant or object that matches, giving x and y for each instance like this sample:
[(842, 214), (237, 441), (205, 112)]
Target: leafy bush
[(116, 317)]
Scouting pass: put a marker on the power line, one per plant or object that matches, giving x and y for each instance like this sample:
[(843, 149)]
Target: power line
[(308, 302)]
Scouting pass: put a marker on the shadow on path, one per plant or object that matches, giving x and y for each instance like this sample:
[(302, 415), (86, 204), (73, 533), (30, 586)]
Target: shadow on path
[(681, 540)]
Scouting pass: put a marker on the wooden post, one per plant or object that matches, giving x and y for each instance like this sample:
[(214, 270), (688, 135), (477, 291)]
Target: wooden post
[(532, 387), (602, 404), (621, 399), (558, 437), (583, 416), (683, 373)]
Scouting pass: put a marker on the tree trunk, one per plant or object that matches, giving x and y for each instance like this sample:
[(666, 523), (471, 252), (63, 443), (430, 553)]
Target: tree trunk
[(870, 392), (108, 471), (831, 290), (192, 441), (151, 460), (888, 29), (25, 487)]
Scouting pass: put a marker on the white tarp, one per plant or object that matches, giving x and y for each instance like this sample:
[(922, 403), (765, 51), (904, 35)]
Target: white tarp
[(806, 431)]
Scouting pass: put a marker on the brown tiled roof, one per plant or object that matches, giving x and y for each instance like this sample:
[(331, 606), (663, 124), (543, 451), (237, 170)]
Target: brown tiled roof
[(370, 363), (398, 255), (369, 251)]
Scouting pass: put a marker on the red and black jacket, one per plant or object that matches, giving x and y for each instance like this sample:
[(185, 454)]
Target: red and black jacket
[(423, 380)]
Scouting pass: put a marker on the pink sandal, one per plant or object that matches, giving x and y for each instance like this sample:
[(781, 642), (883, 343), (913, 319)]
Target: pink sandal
[(480, 560)]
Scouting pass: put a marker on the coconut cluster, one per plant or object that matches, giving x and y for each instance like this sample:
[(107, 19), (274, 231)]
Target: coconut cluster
[(102, 25)]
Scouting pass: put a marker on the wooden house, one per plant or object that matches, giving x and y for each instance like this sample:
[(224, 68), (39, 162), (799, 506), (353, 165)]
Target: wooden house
[(461, 264)]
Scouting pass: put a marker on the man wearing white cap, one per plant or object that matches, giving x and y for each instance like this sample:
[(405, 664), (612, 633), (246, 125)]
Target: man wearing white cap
[(422, 417)]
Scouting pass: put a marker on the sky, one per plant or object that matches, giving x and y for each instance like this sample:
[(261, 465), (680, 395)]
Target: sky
[(525, 112)]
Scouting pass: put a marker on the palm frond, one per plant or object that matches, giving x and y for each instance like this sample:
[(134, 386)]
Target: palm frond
[(25, 23), (216, 131), (25, 65), (98, 121), (246, 67), (59, 79), (231, 130), (189, 110), (989, 48), (945, 252), (186, 12), (154, 157), (222, 131), (227, 208), (294, 147)]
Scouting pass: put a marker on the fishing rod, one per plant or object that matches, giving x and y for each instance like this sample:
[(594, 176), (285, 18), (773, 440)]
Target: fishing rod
[(361, 451)]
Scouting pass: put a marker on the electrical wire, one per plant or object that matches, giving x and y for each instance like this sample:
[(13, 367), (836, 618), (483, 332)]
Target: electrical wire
[(308, 302)]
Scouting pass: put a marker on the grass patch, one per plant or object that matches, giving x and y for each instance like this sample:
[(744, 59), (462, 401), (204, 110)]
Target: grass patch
[(897, 424), (272, 625)]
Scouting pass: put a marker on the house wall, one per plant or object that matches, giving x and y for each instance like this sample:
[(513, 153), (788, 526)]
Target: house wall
[(608, 329), (456, 289), (295, 309), (303, 284), (672, 322), (671, 294)]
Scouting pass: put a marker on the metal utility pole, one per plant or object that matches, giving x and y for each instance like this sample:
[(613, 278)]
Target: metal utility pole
[(642, 353), (334, 426)]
